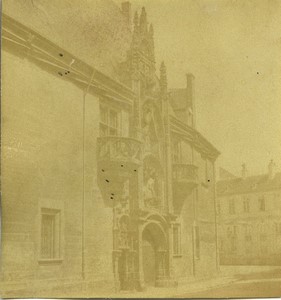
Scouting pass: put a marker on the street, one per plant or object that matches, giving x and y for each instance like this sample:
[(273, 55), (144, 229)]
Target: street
[(240, 290), (260, 283)]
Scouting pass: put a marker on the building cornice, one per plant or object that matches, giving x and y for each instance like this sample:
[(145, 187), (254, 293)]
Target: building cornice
[(254, 192), (194, 137), (26, 42)]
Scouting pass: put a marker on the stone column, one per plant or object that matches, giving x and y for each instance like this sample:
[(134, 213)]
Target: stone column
[(115, 261), (140, 258), (169, 259)]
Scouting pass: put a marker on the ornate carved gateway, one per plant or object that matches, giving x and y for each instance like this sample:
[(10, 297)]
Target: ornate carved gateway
[(137, 177), (132, 172)]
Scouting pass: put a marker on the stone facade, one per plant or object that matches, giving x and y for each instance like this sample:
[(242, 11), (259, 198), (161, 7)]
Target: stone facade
[(106, 182), (249, 219)]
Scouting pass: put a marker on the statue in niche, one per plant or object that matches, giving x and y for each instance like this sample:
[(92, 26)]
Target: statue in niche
[(150, 186), (148, 134), (123, 233), (124, 199)]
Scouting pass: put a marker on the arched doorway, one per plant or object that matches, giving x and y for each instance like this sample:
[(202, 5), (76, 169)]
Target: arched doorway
[(154, 250)]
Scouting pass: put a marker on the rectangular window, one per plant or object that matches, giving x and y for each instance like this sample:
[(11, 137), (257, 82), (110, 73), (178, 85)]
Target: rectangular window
[(231, 207), (176, 239), (262, 203), (50, 234), (233, 244), (109, 121), (176, 152), (197, 241), (246, 205), (248, 233), (206, 171), (278, 228)]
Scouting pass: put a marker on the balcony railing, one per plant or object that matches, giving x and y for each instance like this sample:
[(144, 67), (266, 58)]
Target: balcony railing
[(119, 149), (185, 173)]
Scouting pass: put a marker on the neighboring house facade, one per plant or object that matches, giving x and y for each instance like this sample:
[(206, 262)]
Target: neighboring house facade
[(250, 218), (106, 183)]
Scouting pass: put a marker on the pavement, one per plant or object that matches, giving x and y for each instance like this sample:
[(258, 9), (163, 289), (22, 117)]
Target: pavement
[(232, 282)]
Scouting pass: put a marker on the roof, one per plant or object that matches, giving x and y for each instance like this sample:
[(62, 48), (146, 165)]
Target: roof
[(95, 31), (195, 137), (225, 174), (181, 103), (180, 99), (251, 184)]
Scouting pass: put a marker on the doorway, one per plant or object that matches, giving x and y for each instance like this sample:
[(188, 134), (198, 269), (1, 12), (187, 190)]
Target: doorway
[(153, 250)]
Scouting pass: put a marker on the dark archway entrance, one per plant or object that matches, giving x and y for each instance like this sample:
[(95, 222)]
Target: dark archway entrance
[(155, 263), (149, 263)]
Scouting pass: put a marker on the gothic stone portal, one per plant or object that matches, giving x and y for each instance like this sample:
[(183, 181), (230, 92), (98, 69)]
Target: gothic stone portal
[(155, 254)]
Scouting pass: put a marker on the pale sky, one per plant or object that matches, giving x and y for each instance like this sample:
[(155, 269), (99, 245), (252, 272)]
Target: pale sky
[(233, 48)]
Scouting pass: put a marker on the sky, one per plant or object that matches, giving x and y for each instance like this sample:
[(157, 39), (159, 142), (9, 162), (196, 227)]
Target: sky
[(233, 49)]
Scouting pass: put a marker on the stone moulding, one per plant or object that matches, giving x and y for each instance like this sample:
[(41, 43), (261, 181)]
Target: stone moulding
[(61, 63)]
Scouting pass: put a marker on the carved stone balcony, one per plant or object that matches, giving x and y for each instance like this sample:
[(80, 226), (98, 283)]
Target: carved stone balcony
[(185, 176), (119, 150), (118, 159)]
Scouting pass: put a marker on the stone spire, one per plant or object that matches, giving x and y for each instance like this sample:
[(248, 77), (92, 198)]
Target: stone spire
[(151, 30), (244, 172), (151, 41), (163, 79), (271, 169), (136, 20), (135, 39), (143, 21)]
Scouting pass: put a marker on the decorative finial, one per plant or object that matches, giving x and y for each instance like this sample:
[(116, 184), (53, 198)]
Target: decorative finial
[(143, 21), (136, 19), (151, 30), (163, 77)]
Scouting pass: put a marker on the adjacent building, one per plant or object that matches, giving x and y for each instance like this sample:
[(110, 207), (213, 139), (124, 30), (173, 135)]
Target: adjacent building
[(250, 218), (106, 183)]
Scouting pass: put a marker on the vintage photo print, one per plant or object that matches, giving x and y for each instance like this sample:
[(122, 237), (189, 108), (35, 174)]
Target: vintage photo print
[(140, 149)]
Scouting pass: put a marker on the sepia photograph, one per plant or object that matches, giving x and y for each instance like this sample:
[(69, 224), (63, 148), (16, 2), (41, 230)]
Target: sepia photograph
[(140, 149)]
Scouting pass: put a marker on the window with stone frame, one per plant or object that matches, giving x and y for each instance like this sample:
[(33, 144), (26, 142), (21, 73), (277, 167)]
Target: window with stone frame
[(232, 238), (109, 121), (197, 241), (176, 239), (206, 170), (246, 205), (248, 233), (278, 228), (231, 207), (176, 152), (262, 203), (50, 234)]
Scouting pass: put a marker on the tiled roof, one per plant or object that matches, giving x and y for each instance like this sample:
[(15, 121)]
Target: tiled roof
[(251, 184), (181, 103)]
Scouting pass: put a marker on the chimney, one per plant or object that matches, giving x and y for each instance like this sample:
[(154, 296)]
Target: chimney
[(244, 171), (126, 10), (190, 97), (271, 170)]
